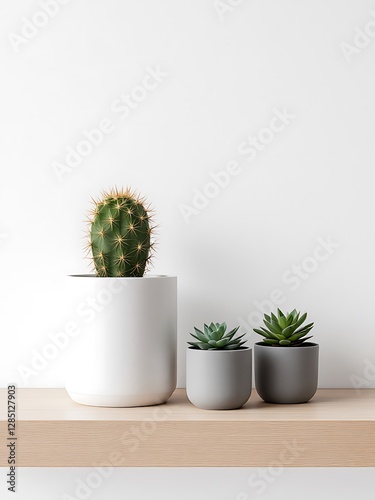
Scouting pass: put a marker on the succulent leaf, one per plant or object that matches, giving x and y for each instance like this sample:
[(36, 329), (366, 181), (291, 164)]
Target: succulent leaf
[(290, 317), (271, 341), (283, 322), (287, 332), (274, 318), (221, 343), (304, 328), (302, 340), (272, 326), (285, 342), (297, 336), (301, 320), (260, 332), (198, 335), (280, 313)]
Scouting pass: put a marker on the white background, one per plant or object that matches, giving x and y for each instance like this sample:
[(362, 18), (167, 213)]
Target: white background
[(226, 70)]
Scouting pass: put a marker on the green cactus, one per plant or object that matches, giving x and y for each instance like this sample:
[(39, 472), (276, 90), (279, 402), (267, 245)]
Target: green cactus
[(215, 338), (285, 329), (120, 234)]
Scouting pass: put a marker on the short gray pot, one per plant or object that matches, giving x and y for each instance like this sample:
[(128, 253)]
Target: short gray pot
[(219, 379), (286, 374)]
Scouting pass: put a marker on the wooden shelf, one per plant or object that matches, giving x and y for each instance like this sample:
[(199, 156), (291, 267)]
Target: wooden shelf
[(335, 429)]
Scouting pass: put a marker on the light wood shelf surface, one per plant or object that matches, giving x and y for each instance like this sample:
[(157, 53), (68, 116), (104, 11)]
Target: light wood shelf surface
[(335, 429)]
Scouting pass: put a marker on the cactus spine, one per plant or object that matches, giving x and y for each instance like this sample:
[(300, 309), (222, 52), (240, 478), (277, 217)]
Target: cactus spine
[(120, 234)]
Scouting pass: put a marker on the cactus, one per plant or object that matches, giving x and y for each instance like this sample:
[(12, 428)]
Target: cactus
[(215, 338), (120, 234), (285, 329)]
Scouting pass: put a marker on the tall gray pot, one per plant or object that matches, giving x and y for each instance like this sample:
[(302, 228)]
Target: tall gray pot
[(219, 379), (286, 374)]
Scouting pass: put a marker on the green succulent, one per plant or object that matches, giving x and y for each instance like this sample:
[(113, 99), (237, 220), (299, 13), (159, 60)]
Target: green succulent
[(285, 329), (214, 338)]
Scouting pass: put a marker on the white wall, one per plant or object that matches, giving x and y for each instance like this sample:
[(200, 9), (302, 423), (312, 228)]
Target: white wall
[(226, 69)]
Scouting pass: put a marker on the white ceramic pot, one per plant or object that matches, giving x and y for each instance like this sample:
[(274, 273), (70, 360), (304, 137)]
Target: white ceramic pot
[(219, 379), (125, 353)]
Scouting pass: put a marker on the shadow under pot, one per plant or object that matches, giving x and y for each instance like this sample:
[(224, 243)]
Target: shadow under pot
[(286, 375), (219, 379)]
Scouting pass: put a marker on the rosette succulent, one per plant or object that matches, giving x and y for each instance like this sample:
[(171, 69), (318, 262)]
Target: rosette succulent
[(214, 337), (285, 329)]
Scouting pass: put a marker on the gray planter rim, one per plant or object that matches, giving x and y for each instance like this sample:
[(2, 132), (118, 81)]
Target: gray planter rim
[(304, 346), (221, 350)]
